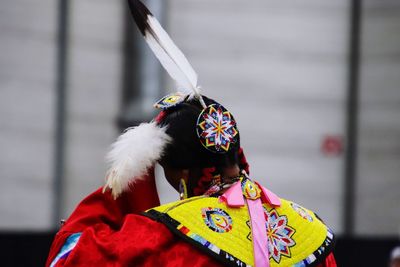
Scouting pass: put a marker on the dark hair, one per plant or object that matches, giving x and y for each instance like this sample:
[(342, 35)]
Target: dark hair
[(186, 150)]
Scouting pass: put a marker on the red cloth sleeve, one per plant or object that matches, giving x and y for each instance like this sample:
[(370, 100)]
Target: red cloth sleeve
[(113, 235), (139, 242), (101, 207)]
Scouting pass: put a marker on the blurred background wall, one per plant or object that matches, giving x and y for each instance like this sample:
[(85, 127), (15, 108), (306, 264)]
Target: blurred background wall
[(287, 70), (378, 180), (27, 104)]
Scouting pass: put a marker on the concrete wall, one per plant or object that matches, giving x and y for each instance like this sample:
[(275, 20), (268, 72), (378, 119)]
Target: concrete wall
[(94, 93), (378, 210), (278, 66), (27, 105), (27, 54)]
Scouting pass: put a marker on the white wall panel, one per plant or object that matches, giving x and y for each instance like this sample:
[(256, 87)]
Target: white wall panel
[(378, 212), (93, 94), (27, 51)]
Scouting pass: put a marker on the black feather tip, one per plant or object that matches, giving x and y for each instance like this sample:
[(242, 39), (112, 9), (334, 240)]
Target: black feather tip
[(140, 12)]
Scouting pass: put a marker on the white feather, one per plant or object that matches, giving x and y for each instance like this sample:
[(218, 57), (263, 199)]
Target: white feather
[(134, 152), (171, 57)]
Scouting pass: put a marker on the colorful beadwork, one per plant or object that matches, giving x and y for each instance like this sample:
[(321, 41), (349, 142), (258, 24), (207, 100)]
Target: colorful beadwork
[(217, 219), (169, 101), (216, 128), (301, 211), (250, 190), (279, 235)]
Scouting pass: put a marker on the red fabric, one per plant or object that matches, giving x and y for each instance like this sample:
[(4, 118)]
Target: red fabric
[(112, 235), (329, 261), (159, 118), (102, 208), (205, 181), (139, 242), (143, 194)]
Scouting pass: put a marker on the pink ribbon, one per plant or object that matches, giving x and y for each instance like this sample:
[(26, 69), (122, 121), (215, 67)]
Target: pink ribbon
[(234, 198)]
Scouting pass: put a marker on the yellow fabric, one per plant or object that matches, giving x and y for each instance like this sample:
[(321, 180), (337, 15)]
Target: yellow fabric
[(309, 232)]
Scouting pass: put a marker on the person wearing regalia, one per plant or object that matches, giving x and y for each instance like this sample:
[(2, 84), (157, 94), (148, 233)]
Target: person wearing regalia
[(223, 216)]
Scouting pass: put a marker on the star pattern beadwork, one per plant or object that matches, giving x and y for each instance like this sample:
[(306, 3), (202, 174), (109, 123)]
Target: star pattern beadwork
[(216, 128), (279, 235)]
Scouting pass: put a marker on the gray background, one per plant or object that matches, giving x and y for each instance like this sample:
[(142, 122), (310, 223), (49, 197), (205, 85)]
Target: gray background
[(279, 66)]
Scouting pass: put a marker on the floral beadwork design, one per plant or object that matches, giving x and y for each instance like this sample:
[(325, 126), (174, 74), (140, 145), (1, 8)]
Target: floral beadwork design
[(279, 235), (301, 211), (216, 128), (217, 219)]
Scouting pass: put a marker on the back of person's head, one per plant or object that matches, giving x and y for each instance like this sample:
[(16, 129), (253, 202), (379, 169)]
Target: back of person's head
[(198, 138), (186, 151), (196, 151)]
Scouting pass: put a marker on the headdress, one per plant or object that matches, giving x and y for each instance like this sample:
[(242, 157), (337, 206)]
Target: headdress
[(139, 148)]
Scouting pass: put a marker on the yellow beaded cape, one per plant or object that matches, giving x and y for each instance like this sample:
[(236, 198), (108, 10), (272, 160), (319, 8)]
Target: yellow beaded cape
[(296, 236)]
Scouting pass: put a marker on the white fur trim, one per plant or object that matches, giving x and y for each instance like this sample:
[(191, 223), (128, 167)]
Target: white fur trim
[(134, 152)]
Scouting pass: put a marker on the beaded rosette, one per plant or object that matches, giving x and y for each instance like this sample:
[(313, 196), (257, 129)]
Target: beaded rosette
[(216, 129)]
